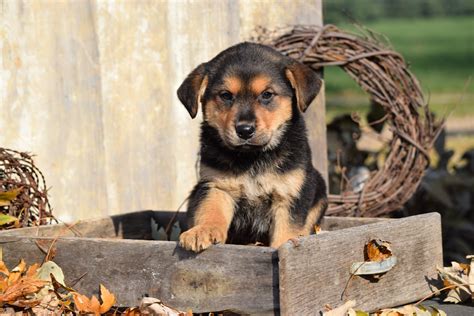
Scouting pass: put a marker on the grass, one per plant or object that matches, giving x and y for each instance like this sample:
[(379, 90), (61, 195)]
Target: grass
[(440, 52)]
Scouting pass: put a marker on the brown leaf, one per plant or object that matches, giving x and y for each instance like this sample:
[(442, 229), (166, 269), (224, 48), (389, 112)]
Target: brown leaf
[(132, 311), (378, 250), (23, 287), (16, 272), (81, 302), (4, 269), (31, 272), (3, 285), (85, 305), (94, 305), (108, 299)]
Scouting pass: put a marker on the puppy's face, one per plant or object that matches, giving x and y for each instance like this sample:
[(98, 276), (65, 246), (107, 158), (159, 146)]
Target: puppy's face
[(248, 94)]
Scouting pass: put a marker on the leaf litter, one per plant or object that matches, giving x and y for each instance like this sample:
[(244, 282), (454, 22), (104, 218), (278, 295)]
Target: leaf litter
[(41, 290)]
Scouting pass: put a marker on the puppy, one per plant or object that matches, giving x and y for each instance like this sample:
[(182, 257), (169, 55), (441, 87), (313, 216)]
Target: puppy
[(257, 182)]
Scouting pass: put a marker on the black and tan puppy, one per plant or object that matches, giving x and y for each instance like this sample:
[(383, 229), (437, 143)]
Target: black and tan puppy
[(257, 183)]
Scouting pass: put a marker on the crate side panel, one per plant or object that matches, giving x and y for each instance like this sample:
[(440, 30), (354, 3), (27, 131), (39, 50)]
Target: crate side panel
[(315, 272), (136, 225), (225, 277)]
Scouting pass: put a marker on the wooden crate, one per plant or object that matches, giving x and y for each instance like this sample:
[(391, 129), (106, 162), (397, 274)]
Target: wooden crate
[(300, 278)]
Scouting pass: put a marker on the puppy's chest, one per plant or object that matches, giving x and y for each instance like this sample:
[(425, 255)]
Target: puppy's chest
[(261, 189)]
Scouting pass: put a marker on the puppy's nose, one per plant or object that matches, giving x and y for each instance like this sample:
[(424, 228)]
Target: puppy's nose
[(245, 130)]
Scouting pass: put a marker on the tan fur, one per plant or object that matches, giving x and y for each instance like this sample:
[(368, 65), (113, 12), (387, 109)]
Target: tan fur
[(270, 120), (220, 117), (313, 214), (233, 84), (202, 89), (211, 221), (282, 187), (259, 84)]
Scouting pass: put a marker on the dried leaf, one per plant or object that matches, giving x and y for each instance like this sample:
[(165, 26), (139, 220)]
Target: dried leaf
[(81, 302), (7, 219), (132, 311), (415, 310), (8, 196), (16, 272), (94, 305), (108, 299), (4, 269), (32, 270), (24, 286), (48, 304), (378, 250), (48, 268), (456, 275), (341, 310), (85, 305), (156, 307)]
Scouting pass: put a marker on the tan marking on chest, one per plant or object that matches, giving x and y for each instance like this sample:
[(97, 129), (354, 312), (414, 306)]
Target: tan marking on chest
[(284, 186)]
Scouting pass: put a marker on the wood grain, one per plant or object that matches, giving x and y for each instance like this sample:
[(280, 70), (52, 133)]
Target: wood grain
[(302, 275), (137, 225), (316, 271), (242, 279)]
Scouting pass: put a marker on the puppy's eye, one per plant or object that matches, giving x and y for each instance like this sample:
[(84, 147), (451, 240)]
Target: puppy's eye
[(226, 96), (267, 95)]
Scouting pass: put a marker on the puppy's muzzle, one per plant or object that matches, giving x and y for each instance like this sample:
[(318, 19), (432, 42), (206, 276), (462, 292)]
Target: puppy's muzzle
[(245, 131)]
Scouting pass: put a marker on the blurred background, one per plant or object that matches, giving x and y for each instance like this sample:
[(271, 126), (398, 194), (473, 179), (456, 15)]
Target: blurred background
[(436, 38)]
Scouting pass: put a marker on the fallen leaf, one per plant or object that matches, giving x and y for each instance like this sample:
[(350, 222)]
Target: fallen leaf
[(4, 269), (82, 303), (8, 196), (155, 306), (94, 305), (32, 270), (85, 305), (23, 287), (47, 305), (378, 250), (48, 268), (16, 272), (7, 219), (47, 272), (341, 310), (108, 299), (132, 311), (459, 277)]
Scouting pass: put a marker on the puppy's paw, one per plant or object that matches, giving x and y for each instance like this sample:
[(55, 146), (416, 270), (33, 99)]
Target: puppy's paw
[(201, 237)]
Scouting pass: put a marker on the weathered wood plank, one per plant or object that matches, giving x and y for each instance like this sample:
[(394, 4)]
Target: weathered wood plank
[(125, 226), (137, 225), (337, 222), (237, 278), (316, 271)]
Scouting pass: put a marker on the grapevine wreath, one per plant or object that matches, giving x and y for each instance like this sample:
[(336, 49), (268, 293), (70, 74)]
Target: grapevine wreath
[(23, 191), (383, 74)]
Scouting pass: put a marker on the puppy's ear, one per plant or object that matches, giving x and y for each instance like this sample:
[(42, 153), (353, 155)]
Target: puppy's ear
[(192, 89), (305, 82)]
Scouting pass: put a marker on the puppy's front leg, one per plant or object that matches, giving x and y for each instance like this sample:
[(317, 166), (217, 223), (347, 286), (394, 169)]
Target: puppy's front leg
[(282, 229), (210, 212)]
